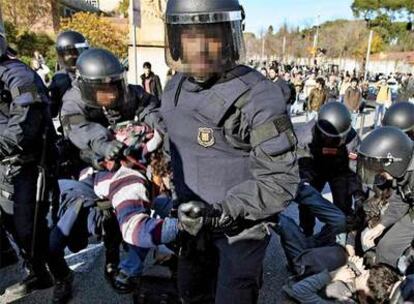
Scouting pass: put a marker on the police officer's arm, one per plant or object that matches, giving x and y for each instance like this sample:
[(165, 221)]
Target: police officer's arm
[(304, 135), (26, 112), (83, 133), (353, 180), (396, 209), (272, 159), (146, 109)]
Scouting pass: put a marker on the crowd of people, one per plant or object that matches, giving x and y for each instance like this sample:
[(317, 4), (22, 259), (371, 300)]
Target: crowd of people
[(205, 169), (310, 88)]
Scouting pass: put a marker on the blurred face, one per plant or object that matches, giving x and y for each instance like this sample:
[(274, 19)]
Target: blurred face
[(318, 85), (272, 74), (263, 72), (202, 53), (354, 84), (106, 97), (147, 71), (287, 77)]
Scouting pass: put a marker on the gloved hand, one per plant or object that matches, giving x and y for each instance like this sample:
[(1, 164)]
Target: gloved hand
[(195, 215), (113, 116), (113, 149)]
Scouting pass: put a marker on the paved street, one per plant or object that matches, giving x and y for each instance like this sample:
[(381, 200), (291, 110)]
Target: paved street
[(91, 287)]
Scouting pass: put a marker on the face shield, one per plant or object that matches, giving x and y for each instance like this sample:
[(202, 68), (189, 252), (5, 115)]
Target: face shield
[(329, 136), (204, 45), (103, 93), (373, 171), (69, 55)]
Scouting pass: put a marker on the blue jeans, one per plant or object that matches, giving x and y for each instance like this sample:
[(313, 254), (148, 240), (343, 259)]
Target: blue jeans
[(133, 263), (379, 114), (354, 118), (326, 212)]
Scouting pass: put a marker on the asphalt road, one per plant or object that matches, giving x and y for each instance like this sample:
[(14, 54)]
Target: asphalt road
[(90, 285)]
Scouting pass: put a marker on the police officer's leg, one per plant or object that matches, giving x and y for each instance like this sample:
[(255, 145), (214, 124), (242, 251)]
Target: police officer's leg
[(7, 254), (197, 270), (324, 210), (24, 220), (396, 241), (341, 194), (57, 244), (306, 218), (112, 241), (240, 271)]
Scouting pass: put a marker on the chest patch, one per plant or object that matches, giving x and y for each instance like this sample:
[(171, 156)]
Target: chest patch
[(205, 137), (329, 151)]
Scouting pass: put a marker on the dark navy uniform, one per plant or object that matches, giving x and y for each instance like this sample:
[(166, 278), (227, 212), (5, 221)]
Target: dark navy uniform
[(87, 127), (24, 117), (61, 83), (231, 144), (320, 163)]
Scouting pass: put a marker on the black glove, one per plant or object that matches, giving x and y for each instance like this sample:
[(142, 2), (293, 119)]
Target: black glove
[(195, 215), (113, 116), (113, 149)]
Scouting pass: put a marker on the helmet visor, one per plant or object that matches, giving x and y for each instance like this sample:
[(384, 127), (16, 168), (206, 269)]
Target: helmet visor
[(69, 56), (371, 170), (203, 50), (101, 94)]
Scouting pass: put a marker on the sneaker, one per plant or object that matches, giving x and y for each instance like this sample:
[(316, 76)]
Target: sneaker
[(63, 289), (31, 283), (123, 283)]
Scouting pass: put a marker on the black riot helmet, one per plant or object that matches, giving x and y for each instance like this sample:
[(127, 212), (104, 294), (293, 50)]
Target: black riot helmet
[(204, 38), (69, 45), (334, 123), (3, 41), (386, 149), (401, 116), (101, 78)]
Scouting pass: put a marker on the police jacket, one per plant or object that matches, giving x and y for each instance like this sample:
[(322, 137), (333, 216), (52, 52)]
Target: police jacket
[(87, 127), (316, 159), (401, 201), (24, 110), (232, 143), (61, 82)]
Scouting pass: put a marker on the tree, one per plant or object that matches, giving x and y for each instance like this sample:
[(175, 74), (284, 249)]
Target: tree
[(24, 14), (123, 7), (99, 32)]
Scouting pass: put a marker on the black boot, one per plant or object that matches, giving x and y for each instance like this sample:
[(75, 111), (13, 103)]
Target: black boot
[(34, 281), (8, 258), (63, 289), (123, 283)]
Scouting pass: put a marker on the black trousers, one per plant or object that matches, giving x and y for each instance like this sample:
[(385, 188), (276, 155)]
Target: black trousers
[(217, 272), (22, 223), (341, 194)]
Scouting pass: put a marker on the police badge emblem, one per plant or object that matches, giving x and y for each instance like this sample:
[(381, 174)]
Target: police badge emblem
[(206, 137)]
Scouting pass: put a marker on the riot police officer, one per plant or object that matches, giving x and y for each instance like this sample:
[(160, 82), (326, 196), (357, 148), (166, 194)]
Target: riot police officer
[(69, 45), (326, 149), (401, 116), (100, 98), (232, 152), (25, 132), (385, 160)]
